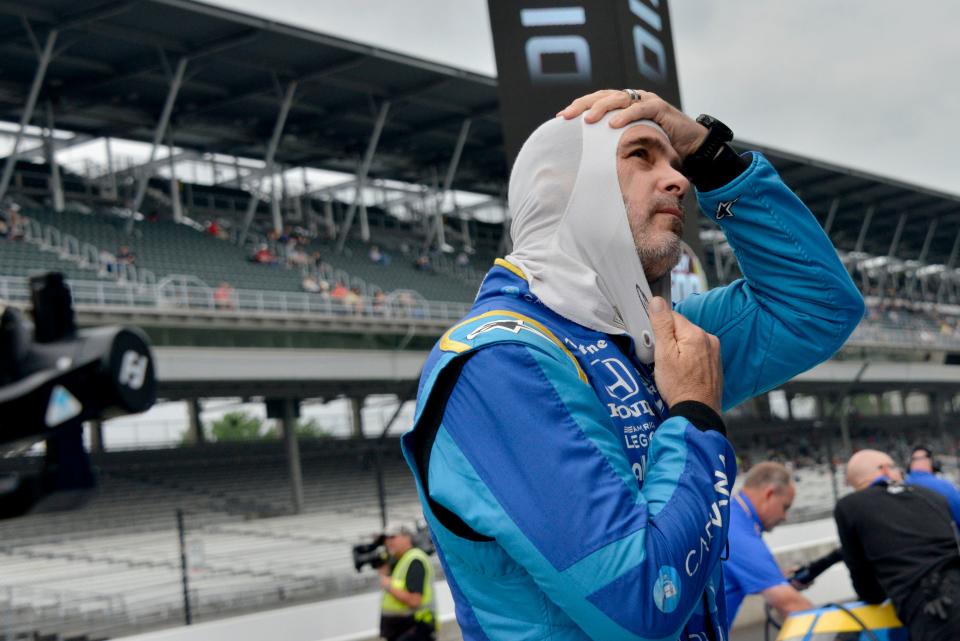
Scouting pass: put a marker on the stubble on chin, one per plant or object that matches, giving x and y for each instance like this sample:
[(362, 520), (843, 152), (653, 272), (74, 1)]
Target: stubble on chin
[(661, 255)]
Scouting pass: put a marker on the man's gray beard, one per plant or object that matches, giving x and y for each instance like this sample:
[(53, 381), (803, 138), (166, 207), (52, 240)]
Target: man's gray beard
[(664, 254)]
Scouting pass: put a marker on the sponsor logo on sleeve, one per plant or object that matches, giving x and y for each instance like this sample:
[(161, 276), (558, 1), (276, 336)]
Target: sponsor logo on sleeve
[(666, 589), (725, 208), (507, 325)]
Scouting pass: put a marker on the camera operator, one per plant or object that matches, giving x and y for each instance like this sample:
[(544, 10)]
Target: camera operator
[(407, 608), (900, 541)]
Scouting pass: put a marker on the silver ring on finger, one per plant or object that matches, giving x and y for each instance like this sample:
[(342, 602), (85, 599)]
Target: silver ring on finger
[(634, 94)]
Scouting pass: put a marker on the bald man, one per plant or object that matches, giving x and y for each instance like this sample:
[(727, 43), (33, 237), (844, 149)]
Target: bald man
[(900, 542)]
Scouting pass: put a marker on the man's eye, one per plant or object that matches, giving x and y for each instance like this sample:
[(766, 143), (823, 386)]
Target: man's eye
[(643, 154)]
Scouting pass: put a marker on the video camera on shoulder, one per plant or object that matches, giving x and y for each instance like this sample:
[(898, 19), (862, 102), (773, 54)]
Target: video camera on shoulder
[(53, 377), (375, 552)]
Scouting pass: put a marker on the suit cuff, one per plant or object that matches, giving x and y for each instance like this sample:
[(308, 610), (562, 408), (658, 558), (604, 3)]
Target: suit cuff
[(700, 416), (726, 166)]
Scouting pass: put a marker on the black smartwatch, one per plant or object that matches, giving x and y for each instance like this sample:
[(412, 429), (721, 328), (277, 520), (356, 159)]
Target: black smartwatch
[(714, 163)]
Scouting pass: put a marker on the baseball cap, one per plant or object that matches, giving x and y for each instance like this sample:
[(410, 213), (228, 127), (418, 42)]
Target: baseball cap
[(395, 528)]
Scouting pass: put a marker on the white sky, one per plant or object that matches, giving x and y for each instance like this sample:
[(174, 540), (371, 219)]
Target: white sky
[(869, 84)]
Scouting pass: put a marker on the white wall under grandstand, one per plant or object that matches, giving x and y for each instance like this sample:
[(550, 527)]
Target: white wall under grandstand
[(354, 618), (349, 619)]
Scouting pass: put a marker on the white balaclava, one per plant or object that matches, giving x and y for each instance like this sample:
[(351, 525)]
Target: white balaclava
[(571, 236)]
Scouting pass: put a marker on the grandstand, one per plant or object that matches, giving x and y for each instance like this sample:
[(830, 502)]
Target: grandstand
[(412, 156), (114, 566)]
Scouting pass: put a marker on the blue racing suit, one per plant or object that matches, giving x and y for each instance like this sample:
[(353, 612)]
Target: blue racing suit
[(566, 500)]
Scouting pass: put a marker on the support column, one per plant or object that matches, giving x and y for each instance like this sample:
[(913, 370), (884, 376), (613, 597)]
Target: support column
[(195, 433), (96, 436), (174, 186), (448, 177), (268, 159), (287, 410), (864, 227), (922, 257), (111, 172), (362, 173), (328, 221), (951, 262), (356, 416), (831, 216), (236, 169), (276, 200), (938, 419), (45, 56), (891, 252), (845, 403), (50, 147), (291, 410), (158, 135)]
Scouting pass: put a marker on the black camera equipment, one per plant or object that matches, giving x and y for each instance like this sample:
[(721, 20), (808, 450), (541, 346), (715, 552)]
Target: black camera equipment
[(54, 380), (373, 554), (807, 574)]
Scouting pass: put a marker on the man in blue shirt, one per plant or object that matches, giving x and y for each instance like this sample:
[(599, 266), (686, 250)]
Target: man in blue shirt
[(761, 505), (922, 472)]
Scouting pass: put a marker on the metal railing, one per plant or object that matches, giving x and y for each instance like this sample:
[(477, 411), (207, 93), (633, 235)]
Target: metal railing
[(402, 305), (85, 255), (881, 334), (399, 305)]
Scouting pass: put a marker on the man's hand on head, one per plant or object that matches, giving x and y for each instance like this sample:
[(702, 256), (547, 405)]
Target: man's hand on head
[(687, 359), (685, 133)]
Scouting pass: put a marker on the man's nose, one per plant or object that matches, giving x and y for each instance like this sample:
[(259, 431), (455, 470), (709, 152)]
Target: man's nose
[(675, 183)]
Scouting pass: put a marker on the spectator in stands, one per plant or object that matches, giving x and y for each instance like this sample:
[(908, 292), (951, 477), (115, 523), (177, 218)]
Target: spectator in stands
[(423, 264), (339, 295), (375, 255), (761, 505), (108, 262), (125, 256), (4, 229), (405, 304), (14, 222), (573, 490), (354, 301), (899, 542), (463, 260), (213, 228), (310, 284), (224, 296), (379, 304), (407, 609), (315, 259), (296, 257), (923, 472), (263, 255)]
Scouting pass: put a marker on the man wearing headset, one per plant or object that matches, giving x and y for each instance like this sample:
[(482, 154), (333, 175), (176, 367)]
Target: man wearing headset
[(923, 472)]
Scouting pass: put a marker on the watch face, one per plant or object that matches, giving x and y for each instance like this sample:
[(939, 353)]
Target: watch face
[(716, 127), (706, 120)]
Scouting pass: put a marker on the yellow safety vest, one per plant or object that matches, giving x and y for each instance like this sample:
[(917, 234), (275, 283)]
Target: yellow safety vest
[(392, 606)]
